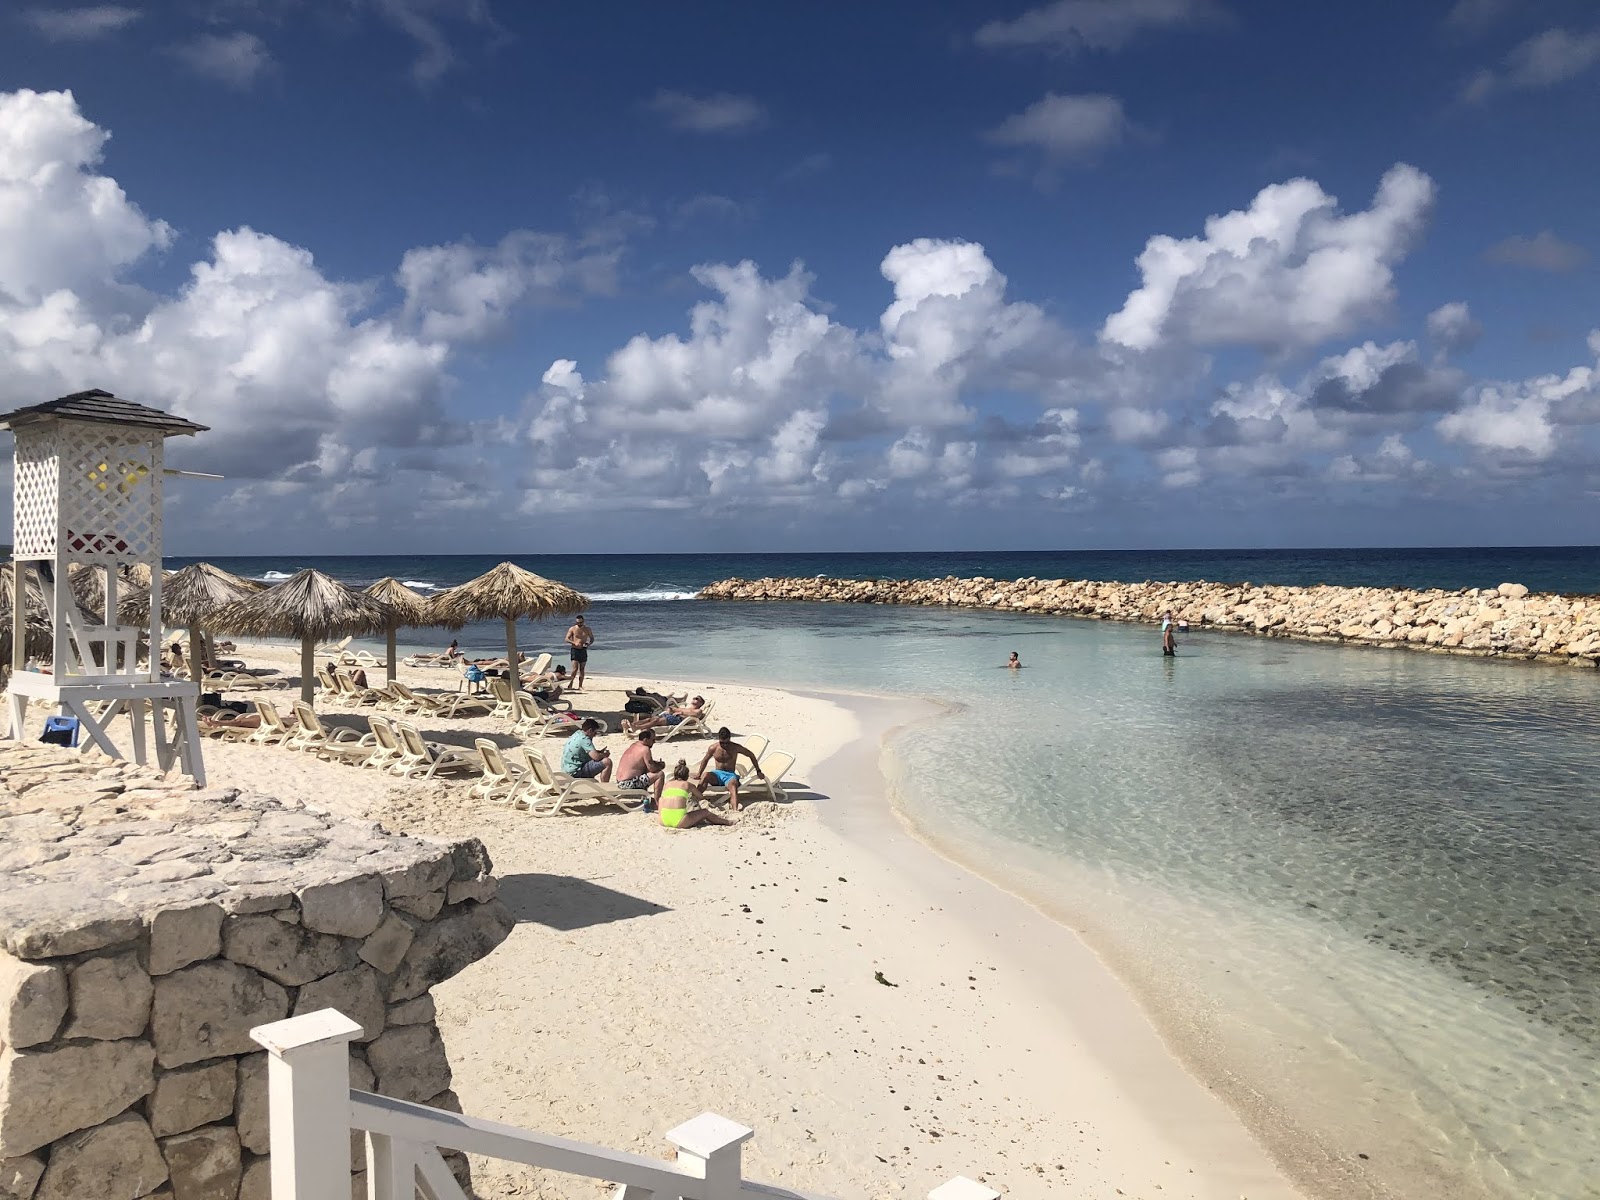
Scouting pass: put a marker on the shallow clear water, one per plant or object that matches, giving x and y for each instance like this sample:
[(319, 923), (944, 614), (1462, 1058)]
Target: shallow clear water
[(1359, 889)]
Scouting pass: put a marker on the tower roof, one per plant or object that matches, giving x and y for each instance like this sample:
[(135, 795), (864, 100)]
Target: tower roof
[(97, 405)]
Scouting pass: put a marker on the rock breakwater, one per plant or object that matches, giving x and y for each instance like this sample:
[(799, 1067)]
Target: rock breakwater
[(1503, 622)]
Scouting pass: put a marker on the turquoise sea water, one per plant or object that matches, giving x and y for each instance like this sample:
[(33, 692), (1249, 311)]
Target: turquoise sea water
[(1359, 890)]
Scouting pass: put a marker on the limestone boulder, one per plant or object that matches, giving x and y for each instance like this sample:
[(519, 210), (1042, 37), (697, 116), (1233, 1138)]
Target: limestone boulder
[(410, 1063), (207, 1011), (446, 946), (111, 997), (256, 1181), (348, 908), (388, 945), (49, 1092), (287, 954), (205, 1164), (1512, 591), (357, 993), (19, 1176), (190, 1097), (183, 935), (33, 1000), (118, 1159)]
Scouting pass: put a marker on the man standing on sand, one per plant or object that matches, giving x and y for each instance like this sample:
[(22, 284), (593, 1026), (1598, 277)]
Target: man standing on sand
[(580, 637), (725, 753)]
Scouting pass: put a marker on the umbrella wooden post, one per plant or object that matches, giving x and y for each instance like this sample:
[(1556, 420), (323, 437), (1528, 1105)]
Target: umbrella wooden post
[(392, 665), (308, 667), (511, 650), (19, 619), (194, 651)]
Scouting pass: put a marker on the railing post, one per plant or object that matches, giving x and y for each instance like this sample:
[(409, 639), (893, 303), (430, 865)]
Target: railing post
[(708, 1147), (962, 1188), (308, 1104)]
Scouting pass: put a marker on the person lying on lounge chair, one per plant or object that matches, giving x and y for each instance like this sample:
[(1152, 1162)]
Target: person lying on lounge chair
[(673, 716), (551, 688), (674, 803)]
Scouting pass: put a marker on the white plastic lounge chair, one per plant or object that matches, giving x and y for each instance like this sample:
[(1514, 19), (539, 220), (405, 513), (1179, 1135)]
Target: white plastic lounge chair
[(505, 698), (407, 701), (427, 759), (500, 777), (331, 649), (428, 660), (222, 724), (690, 726), (387, 750), (536, 672), (778, 764), (316, 737), (273, 729), (359, 658), (756, 743), (547, 794), (459, 705), (354, 695), (329, 686)]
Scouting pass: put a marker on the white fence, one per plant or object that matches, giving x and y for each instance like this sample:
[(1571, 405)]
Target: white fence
[(313, 1109)]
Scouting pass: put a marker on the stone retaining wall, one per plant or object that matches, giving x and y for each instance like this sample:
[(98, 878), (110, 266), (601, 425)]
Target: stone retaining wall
[(1505, 622), (146, 927)]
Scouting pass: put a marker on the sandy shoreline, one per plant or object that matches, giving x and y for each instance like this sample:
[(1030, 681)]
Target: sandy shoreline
[(655, 975)]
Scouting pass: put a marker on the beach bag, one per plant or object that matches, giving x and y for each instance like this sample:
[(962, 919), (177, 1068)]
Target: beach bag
[(214, 699), (475, 673), (636, 705)]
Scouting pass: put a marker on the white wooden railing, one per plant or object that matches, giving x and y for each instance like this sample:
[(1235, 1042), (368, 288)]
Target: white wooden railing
[(313, 1110)]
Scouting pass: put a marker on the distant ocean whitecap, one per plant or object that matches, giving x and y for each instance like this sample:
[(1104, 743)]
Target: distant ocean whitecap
[(275, 576), (421, 585), (651, 591)]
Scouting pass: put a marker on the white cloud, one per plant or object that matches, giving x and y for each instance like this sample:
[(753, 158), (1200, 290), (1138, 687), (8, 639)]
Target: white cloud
[(1071, 25), (425, 22), (1544, 60), (721, 112), (462, 291), (1064, 129), (237, 59), (1522, 418), (1390, 462), (1453, 329), (62, 226), (82, 24), (1135, 425), (1544, 251), (1290, 271)]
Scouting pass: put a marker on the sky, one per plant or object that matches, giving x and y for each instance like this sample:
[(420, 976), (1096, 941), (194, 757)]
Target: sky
[(489, 277)]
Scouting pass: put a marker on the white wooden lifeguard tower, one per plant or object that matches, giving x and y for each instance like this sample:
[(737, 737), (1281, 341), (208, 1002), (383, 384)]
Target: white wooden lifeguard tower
[(88, 494)]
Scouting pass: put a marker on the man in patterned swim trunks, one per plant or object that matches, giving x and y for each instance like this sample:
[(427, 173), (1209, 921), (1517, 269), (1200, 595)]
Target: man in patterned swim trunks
[(639, 770), (580, 637)]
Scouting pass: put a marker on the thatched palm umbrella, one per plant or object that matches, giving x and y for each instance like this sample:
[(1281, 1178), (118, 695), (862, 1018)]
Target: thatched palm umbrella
[(38, 638), (507, 592), (406, 607), (89, 589), (310, 606), (194, 595)]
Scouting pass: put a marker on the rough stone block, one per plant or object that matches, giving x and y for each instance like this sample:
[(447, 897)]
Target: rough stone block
[(444, 947), (19, 1176), (479, 890), (290, 954), (410, 1063), (118, 1159), (250, 1103), (65, 918), (349, 908), (110, 998), (358, 994), (180, 936), (469, 859), (385, 948), (33, 999), (425, 906), (207, 1011), (204, 1163), (48, 1093), (190, 1097), (256, 1181), (420, 877), (413, 1012)]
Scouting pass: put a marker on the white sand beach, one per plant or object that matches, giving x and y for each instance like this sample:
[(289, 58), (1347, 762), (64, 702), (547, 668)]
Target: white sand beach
[(883, 1019)]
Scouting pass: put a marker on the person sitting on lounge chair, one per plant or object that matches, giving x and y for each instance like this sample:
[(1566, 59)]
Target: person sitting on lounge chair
[(674, 803), (673, 716), (637, 769), (580, 758), (359, 677), (725, 753)]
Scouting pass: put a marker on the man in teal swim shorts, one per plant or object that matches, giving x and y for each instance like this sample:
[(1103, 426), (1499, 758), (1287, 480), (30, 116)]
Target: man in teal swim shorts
[(725, 753)]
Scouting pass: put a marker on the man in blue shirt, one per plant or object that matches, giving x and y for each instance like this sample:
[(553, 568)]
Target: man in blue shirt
[(580, 759)]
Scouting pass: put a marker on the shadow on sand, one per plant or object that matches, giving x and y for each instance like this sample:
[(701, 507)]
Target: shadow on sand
[(566, 903)]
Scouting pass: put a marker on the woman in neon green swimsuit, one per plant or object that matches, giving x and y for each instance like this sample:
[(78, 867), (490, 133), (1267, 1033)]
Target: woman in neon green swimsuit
[(675, 797)]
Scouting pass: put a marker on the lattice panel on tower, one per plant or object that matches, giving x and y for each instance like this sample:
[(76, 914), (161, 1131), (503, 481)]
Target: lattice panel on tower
[(34, 518), (110, 492)]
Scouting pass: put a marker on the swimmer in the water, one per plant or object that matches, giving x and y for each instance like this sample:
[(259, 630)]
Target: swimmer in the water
[(1014, 663)]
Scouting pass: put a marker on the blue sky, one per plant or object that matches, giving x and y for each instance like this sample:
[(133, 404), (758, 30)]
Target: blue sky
[(463, 275)]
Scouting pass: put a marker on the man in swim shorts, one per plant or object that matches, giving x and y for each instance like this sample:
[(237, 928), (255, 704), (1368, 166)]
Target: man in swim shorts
[(579, 637), (725, 753), (638, 770), (580, 758), (673, 716)]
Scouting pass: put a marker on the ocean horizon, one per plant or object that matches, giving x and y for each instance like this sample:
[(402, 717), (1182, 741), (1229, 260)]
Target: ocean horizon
[(1355, 890)]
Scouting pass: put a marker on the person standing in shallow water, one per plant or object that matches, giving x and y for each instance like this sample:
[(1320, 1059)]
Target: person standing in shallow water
[(1169, 645), (579, 637)]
